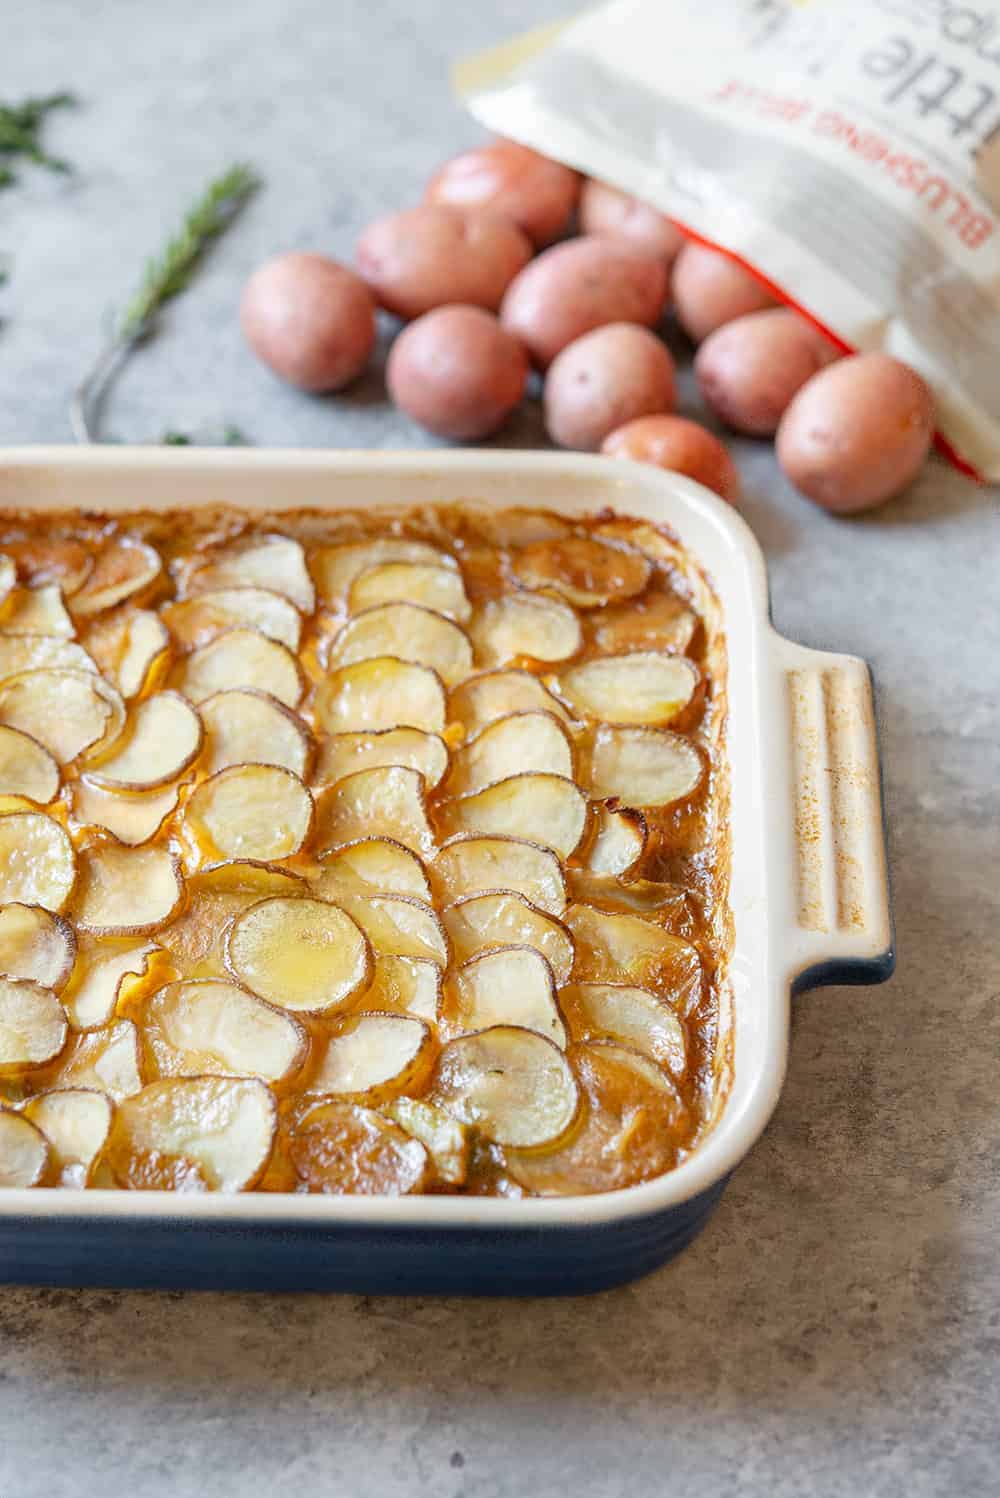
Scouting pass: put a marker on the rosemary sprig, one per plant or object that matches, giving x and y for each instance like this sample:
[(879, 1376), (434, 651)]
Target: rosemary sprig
[(20, 133)]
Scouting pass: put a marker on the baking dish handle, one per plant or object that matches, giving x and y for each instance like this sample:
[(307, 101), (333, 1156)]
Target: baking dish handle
[(842, 929)]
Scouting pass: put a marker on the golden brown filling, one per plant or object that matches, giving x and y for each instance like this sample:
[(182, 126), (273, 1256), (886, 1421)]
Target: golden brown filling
[(375, 852)]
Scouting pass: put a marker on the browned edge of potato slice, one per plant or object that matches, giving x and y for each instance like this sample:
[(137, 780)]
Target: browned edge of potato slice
[(617, 841), (587, 572), (343, 1149)]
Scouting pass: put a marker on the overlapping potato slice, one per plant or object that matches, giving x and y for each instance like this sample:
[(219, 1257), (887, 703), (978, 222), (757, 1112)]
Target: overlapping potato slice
[(630, 1017), (345, 753), (8, 575), (197, 621), (508, 986), (76, 1123), (37, 861), (37, 945), (548, 808), (243, 658), (388, 801), (660, 621), (512, 1084), (505, 919), (207, 1028), (648, 687), (257, 812), (431, 585), (43, 558), (649, 766), (21, 653), (103, 1060), (409, 633), (399, 926), (25, 1157), (617, 948), (524, 625), (126, 891), (483, 699), (276, 563), (385, 693), (470, 865), (36, 611), (32, 1025), (162, 737), (193, 1134), (216, 895), (336, 567), (618, 841), (125, 568), (300, 954), (346, 1150), (248, 727), (106, 971), (372, 1057), (132, 817), (373, 864), (128, 644), (405, 985), (587, 572), (535, 742), (445, 1139), (26, 767), (66, 711)]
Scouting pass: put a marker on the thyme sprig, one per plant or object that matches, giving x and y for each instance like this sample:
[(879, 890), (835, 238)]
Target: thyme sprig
[(20, 134)]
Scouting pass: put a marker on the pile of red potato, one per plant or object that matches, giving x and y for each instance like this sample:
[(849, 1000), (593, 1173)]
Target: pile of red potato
[(489, 287)]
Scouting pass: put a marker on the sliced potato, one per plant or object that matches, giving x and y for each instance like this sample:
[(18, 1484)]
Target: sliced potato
[(66, 711), (197, 621), (505, 919), (196, 940), (162, 737), (660, 621), (208, 1028), (483, 699), (630, 1017), (471, 865), (193, 1134), (399, 926), (76, 1124), (274, 562), (666, 904), (508, 986), (127, 891), (249, 727), (8, 574), (377, 694), (127, 645), (37, 861), (405, 985), (124, 569), (43, 558), (617, 948), (548, 808), (336, 567), (241, 659), (618, 842), (388, 801), (645, 766), (299, 954), (32, 1025), (105, 1060), (20, 653), (372, 1057), (103, 976), (26, 767), (444, 1138), (587, 572), (25, 1156), (513, 1085), (133, 818), (372, 865), (431, 585), (346, 1150), (648, 687), (409, 633), (524, 742), (524, 625), (36, 611), (345, 753), (257, 812), (37, 945)]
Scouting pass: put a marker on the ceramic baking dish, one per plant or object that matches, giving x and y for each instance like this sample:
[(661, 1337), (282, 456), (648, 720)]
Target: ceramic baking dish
[(809, 899)]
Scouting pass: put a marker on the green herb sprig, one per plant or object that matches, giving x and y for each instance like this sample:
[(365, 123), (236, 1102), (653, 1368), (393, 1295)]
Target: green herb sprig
[(20, 134)]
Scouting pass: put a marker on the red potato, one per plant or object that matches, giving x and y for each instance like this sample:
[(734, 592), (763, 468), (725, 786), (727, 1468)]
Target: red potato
[(607, 210), (709, 289), (681, 445), (857, 433), (581, 285), (538, 194), (433, 255), (750, 369), (309, 319), (604, 379), (457, 372)]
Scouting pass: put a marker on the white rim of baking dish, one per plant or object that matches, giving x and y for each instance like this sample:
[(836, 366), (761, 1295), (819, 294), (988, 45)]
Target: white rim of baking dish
[(809, 888)]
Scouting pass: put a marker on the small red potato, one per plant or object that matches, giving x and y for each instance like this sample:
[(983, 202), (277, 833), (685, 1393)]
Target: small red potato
[(309, 319), (857, 433), (709, 289), (685, 447), (429, 256), (750, 369), (607, 210), (457, 372), (604, 379), (538, 194), (581, 285)]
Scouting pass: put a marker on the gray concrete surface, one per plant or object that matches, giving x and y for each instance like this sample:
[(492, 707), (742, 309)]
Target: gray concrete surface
[(835, 1332)]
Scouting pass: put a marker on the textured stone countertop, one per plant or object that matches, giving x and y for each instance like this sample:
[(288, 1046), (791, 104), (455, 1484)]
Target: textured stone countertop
[(834, 1331)]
